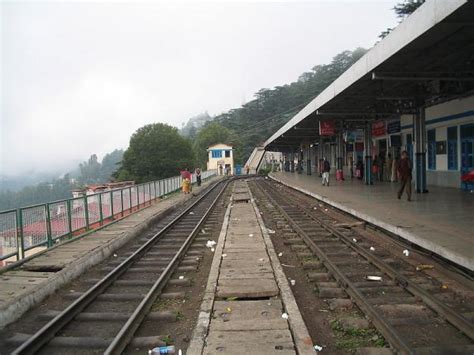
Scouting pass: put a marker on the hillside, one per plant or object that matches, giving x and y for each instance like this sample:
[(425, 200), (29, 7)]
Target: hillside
[(258, 119)]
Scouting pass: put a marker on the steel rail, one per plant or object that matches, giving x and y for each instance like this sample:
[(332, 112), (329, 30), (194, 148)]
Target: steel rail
[(125, 335), (48, 331), (456, 319), (389, 333)]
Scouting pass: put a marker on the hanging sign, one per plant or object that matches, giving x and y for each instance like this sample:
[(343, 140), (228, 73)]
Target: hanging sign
[(393, 127), (354, 136), (378, 128), (327, 128)]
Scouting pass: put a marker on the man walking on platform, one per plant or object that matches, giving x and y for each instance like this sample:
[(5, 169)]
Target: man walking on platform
[(197, 171), (326, 170), (404, 175)]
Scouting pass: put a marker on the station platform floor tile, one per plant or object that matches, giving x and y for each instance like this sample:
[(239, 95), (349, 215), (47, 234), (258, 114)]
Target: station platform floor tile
[(441, 221)]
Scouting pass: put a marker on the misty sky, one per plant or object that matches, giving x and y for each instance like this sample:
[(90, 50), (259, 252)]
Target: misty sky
[(79, 78)]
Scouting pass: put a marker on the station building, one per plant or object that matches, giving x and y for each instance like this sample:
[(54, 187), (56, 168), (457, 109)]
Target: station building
[(221, 159), (413, 91)]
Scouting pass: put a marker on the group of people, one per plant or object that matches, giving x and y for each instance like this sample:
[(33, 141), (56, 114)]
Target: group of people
[(394, 170), (186, 185)]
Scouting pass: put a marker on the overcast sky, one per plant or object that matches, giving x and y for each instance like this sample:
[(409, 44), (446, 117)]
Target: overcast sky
[(79, 78)]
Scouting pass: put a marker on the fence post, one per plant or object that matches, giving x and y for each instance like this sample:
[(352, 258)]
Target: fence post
[(154, 186), (121, 199), (138, 197), (130, 196), (101, 215), (19, 226), (86, 210), (69, 216), (112, 204), (48, 226)]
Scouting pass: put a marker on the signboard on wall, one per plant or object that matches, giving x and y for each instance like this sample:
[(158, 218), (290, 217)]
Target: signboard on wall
[(393, 127), (327, 128), (441, 147), (378, 128), (354, 136)]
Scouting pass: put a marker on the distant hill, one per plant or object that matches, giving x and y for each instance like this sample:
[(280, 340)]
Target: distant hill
[(194, 124), (258, 119)]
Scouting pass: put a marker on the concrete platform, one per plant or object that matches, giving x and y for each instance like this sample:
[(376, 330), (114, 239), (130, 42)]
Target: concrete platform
[(247, 293), (27, 285), (441, 221)]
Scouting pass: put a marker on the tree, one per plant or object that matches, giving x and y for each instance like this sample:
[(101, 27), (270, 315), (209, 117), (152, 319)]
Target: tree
[(213, 133), (90, 170), (110, 164), (407, 7), (156, 151), (403, 10)]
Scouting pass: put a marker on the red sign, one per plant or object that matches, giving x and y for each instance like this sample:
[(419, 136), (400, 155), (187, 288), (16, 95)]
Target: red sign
[(378, 128), (327, 128)]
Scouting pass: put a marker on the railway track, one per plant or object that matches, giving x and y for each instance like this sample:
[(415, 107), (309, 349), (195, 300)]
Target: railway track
[(105, 317), (413, 311)]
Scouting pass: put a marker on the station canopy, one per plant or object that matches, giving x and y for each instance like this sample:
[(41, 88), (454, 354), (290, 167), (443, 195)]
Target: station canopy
[(426, 60)]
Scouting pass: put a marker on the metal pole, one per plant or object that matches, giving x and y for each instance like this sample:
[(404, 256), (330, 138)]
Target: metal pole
[(69, 217), (101, 215), (86, 210), (130, 197), (121, 200), (19, 223), (112, 204), (368, 154), (48, 226)]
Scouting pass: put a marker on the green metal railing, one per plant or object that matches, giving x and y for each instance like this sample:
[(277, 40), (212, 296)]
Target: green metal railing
[(30, 229)]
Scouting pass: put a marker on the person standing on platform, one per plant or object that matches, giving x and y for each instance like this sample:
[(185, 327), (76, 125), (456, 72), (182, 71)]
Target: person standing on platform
[(186, 184), (197, 171), (404, 175), (326, 170)]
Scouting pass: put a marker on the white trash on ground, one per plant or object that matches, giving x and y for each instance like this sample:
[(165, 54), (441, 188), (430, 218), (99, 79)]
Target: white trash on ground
[(293, 282), (318, 348), (354, 240), (250, 235), (280, 254), (374, 278), (284, 316), (372, 248), (270, 231), (181, 277), (210, 243), (406, 252)]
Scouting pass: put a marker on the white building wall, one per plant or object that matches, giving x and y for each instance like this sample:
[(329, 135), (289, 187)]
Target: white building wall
[(449, 114)]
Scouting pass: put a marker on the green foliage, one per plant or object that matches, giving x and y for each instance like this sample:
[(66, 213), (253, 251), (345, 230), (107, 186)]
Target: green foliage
[(407, 7), (92, 172), (403, 9), (156, 151), (213, 133), (258, 119)]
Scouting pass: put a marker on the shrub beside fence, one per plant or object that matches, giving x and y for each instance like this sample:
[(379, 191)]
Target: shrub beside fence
[(43, 225)]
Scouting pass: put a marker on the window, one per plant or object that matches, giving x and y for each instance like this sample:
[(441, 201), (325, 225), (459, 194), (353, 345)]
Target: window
[(453, 148), (216, 153), (432, 149), (227, 153)]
